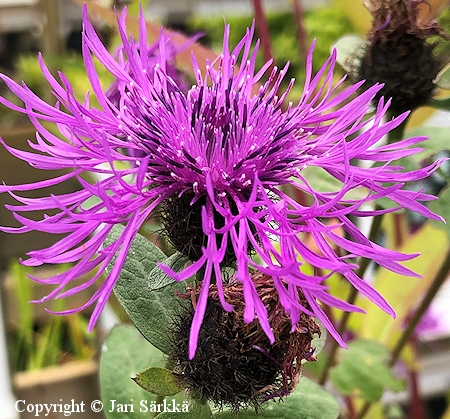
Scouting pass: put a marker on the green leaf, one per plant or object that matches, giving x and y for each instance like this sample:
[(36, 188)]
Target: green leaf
[(308, 401), (322, 181), (159, 381), (142, 257), (443, 103), (443, 78), (125, 353), (158, 279), (146, 293), (439, 139), (442, 207), (318, 342), (162, 304), (195, 410), (362, 371), (346, 48)]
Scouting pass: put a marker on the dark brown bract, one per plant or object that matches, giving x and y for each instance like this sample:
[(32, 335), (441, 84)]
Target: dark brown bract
[(400, 54), (400, 16), (235, 364), (182, 224)]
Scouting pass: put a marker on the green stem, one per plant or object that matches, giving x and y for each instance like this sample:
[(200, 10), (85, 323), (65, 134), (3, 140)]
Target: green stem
[(363, 265), (159, 400), (435, 286)]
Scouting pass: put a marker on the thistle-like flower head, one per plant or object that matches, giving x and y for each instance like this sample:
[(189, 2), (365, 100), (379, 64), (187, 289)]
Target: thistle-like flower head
[(400, 53), (215, 159), (223, 370)]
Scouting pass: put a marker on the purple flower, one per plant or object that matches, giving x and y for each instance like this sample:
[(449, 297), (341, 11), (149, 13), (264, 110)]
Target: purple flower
[(218, 155), (119, 87)]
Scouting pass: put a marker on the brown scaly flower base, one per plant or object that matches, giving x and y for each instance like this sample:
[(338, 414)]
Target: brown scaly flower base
[(235, 365), (407, 66), (182, 225), (400, 55), (391, 16)]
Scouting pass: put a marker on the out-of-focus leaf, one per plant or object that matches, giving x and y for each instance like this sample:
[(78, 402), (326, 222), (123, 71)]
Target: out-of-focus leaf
[(362, 370), (308, 401), (322, 181), (402, 293), (443, 103), (347, 47), (439, 139), (442, 79)]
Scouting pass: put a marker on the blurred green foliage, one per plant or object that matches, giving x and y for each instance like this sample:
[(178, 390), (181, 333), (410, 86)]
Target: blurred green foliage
[(28, 70), (51, 340), (326, 24), (442, 45), (71, 65)]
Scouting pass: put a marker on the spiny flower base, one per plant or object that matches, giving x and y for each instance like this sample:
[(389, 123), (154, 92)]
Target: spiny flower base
[(182, 222), (406, 64), (401, 54), (181, 218), (235, 364)]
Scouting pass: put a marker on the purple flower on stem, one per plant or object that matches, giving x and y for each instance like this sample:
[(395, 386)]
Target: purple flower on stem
[(219, 155)]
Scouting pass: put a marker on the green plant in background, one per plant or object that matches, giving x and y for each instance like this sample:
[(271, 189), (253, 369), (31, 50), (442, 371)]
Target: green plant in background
[(49, 340), (27, 69), (326, 24), (388, 44), (72, 65)]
